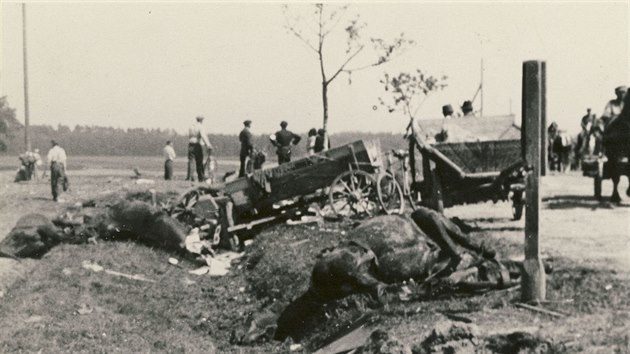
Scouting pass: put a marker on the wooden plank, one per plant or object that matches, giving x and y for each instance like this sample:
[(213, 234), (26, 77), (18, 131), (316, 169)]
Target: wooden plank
[(533, 279), (352, 337), (540, 310)]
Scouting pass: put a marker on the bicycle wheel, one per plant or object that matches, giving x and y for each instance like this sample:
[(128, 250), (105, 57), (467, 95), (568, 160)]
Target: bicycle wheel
[(390, 195)]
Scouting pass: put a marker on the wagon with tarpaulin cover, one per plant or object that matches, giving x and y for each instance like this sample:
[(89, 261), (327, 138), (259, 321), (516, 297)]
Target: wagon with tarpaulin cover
[(342, 180), (484, 165)]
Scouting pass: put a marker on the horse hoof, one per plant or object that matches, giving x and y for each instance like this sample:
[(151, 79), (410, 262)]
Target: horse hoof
[(615, 199)]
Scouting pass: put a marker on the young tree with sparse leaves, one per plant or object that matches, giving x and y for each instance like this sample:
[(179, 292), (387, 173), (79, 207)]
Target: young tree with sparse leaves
[(408, 91), (321, 22)]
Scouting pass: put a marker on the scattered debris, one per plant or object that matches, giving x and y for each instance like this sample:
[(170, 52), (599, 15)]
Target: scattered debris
[(294, 347), (84, 310), (200, 271), (97, 268), (34, 319), (144, 181), (351, 337), (381, 342), (449, 337)]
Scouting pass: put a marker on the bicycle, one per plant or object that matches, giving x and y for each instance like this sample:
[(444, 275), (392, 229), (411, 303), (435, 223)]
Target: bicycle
[(395, 187)]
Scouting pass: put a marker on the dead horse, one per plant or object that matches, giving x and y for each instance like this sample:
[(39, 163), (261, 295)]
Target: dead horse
[(386, 250)]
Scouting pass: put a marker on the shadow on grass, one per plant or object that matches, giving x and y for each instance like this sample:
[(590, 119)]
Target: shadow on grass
[(580, 201)]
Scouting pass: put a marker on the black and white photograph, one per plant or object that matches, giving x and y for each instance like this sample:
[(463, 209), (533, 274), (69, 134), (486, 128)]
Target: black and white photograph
[(362, 177)]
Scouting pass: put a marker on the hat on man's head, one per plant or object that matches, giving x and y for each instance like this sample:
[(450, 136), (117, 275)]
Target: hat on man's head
[(284, 124), (467, 106), (247, 123), (199, 118), (621, 88), (447, 110), (53, 142)]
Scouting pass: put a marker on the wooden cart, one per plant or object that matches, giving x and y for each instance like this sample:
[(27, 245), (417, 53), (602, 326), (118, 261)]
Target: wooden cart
[(345, 177)]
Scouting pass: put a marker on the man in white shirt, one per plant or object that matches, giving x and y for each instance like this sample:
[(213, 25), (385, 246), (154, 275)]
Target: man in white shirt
[(169, 156), (196, 138), (38, 163), (57, 162)]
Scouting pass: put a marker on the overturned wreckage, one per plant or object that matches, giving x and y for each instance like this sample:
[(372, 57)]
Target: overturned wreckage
[(34, 234), (387, 250)]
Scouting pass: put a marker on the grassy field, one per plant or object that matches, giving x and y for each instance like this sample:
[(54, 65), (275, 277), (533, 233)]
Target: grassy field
[(122, 165), (58, 306)]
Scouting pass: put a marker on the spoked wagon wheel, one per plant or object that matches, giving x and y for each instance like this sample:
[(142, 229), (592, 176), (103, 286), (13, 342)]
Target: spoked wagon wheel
[(354, 194), (390, 195), (183, 208)]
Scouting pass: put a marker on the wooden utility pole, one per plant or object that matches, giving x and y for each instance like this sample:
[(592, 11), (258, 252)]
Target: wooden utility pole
[(481, 109), (533, 115), (27, 137)]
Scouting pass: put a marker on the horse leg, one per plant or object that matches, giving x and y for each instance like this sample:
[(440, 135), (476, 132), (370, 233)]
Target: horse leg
[(615, 198)]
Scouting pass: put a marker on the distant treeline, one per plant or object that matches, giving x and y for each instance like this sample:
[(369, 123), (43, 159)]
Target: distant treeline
[(106, 141)]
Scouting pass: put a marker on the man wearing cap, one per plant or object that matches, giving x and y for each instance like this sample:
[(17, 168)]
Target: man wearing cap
[(247, 147), (57, 162), (468, 110), (613, 107), (282, 140), (196, 138)]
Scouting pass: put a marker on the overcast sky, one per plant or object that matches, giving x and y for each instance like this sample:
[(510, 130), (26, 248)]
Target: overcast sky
[(158, 65)]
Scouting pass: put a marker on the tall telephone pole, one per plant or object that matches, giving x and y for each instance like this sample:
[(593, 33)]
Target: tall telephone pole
[(481, 86), (27, 138)]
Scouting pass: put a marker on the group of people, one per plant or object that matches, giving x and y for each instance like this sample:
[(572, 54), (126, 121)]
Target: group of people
[(589, 141), (283, 140), (31, 162), (467, 110)]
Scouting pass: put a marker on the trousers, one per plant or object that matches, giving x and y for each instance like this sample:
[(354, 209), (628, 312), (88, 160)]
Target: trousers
[(195, 157)]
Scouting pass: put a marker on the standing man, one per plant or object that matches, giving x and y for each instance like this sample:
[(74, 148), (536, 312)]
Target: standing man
[(321, 143), (196, 138), (38, 163), (467, 109), (247, 147), (57, 161), (169, 157), (282, 140), (587, 119), (613, 107)]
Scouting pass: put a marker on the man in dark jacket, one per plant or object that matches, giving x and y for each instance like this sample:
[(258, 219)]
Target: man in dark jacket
[(321, 142), (247, 146), (282, 140)]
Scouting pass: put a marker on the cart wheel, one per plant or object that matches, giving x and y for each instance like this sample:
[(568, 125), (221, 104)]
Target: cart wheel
[(390, 195), (354, 194), (597, 186), (183, 207), (517, 205)]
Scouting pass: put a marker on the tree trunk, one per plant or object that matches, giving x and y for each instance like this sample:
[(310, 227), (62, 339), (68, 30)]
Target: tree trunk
[(325, 101)]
